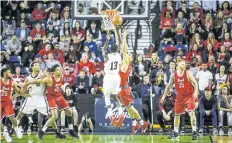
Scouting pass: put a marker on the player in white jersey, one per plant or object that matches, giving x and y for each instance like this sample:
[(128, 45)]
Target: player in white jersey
[(111, 81)]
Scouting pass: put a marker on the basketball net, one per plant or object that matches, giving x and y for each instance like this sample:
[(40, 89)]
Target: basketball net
[(108, 16)]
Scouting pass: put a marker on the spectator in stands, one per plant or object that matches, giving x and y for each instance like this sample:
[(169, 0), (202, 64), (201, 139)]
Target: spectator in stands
[(185, 9), (193, 67), (181, 19), (68, 77), (14, 11), (220, 78), (44, 52), (50, 62), (23, 18), (218, 22), (193, 52), (5, 63), (71, 55), (227, 42), (211, 39), (221, 33), (97, 83), (224, 103), (22, 32), (86, 124), (18, 77), (166, 22), (158, 71), (209, 51), (91, 44), (208, 106), (65, 43), (208, 22), (180, 33), (8, 20), (8, 32), (82, 83), (37, 33), (28, 55), (86, 65), (170, 70), (39, 14), (66, 19), (230, 79), (169, 8), (78, 34), (226, 9), (51, 9), (204, 78), (66, 9), (144, 91), (59, 54), (223, 55), (166, 110), (198, 11), (70, 97), (99, 64), (141, 69), (197, 39), (96, 35), (52, 33), (154, 61), (14, 46), (212, 65), (41, 63), (65, 30), (54, 21)]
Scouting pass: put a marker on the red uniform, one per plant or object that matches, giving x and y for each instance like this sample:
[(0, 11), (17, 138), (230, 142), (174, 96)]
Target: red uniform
[(55, 97), (6, 103), (124, 94), (184, 97)]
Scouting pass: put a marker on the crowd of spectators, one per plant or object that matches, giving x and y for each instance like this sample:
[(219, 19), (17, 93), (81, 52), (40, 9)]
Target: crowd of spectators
[(199, 32)]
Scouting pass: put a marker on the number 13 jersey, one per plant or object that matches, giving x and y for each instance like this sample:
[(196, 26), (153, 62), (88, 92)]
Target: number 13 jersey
[(113, 64)]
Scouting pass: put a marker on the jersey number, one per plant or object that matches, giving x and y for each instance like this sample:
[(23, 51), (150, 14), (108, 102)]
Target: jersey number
[(114, 66)]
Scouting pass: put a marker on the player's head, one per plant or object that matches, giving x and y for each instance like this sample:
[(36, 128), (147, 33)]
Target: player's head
[(35, 66), (56, 70), (113, 48), (6, 73), (181, 64)]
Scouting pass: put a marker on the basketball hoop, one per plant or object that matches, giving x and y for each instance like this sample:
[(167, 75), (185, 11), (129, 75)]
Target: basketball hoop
[(107, 16)]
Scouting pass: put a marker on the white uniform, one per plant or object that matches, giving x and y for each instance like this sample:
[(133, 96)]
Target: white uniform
[(38, 100), (112, 79)]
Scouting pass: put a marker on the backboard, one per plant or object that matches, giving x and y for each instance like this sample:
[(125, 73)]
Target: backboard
[(129, 9)]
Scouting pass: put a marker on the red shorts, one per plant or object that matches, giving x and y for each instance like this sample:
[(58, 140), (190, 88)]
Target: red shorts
[(57, 102), (7, 109), (185, 105), (126, 97)]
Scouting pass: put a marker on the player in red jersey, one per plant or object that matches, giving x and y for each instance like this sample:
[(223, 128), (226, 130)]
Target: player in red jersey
[(187, 92), (7, 109), (125, 96), (57, 102)]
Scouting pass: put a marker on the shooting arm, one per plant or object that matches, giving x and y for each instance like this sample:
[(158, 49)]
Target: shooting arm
[(118, 36), (125, 61), (106, 46), (169, 85)]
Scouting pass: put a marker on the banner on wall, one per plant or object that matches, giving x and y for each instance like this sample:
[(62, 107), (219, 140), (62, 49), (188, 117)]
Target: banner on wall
[(102, 121)]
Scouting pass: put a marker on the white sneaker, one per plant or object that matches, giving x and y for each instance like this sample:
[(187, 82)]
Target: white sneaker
[(29, 131), (18, 133), (230, 132), (221, 132), (7, 137), (215, 131)]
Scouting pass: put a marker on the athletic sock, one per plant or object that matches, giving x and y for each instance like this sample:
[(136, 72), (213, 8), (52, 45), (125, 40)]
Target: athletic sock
[(134, 122), (70, 126), (141, 122), (70, 122), (5, 129), (44, 128), (176, 129), (194, 128)]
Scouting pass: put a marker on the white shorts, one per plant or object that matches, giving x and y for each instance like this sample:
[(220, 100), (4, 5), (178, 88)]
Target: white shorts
[(35, 102), (111, 83)]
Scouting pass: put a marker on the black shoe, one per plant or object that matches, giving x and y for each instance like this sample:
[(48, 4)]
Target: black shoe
[(11, 132), (72, 134), (60, 136), (170, 134), (40, 135), (175, 135), (194, 137)]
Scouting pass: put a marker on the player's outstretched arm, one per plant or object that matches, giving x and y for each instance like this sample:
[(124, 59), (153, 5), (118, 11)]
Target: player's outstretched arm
[(168, 87), (118, 36), (125, 61), (19, 92), (105, 46), (47, 80)]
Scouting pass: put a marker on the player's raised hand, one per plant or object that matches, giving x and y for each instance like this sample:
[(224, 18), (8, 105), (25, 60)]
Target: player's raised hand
[(108, 35)]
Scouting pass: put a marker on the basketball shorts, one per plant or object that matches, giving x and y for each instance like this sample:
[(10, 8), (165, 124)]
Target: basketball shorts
[(35, 102), (55, 102), (111, 83), (125, 97), (186, 105), (7, 109)]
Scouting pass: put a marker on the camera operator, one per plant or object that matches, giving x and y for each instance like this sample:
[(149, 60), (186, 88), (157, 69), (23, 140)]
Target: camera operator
[(69, 96), (86, 124)]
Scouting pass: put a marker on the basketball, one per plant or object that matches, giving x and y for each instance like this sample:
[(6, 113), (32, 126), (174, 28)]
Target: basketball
[(117, 20)]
